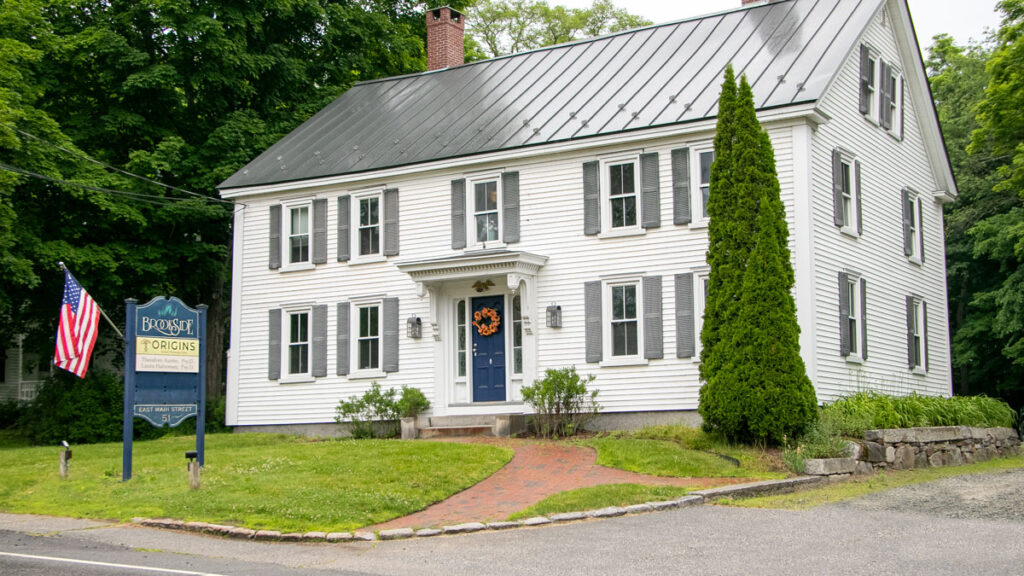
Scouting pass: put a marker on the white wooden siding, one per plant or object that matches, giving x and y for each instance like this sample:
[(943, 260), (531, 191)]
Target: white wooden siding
[(887, 166)]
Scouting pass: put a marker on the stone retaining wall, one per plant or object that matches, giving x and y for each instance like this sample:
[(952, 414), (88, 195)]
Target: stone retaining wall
[(906, 448)]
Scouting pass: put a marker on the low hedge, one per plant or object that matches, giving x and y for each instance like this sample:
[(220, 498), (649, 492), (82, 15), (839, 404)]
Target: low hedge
[(854, 414)]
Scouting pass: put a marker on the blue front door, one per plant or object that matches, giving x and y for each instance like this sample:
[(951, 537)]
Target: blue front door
[(488, 350)]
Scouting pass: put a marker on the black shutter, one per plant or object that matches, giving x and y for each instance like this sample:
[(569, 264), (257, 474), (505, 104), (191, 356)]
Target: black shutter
[(275, 236), (924, 332), (654, 339), (458, 214), (844, 314), (592, 314), (681, 186), (685, 327), (510, 207), (837, 188), (592, 198), (865, 80), (920, 229), (886, 96), (274, 347), (650, 193), (864, 318), (860, 219), (344, 225), (391, 222)]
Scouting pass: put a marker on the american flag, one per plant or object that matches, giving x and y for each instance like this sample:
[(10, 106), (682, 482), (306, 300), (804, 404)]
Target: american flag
[(76, 333)]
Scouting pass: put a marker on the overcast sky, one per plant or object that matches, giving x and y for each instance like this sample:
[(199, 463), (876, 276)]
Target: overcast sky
[(962, 19)]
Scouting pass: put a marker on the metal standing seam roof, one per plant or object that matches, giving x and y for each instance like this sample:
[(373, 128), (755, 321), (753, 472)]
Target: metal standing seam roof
[(655, 76)]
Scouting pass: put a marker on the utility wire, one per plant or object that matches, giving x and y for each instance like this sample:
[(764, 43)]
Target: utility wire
[(115, 168), (142, 197)]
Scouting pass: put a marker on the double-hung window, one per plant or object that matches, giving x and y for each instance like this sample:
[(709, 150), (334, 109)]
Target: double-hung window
[(368, 339), (369, 224), (881, 92), (486, 215), (298, 234), (624, 320), (846, 192), (517, 334), (917, 340), (622, 194), (913, 245), (700, 297), (852, 317), (298, 343), (705, 158)]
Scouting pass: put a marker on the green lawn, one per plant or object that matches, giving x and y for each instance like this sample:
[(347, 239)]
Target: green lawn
[(252, 480), (597, 497), (863, 485), (681, 451)]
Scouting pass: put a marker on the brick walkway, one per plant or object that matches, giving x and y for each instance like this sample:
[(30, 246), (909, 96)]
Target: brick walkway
[(538, 470)]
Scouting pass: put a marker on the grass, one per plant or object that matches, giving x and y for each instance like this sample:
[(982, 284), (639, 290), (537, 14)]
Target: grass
[(870, 410), (684, 452), (863, 485), (597, 497), (252, 480)]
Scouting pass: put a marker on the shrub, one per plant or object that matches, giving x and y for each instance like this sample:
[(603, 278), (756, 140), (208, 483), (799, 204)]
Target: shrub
[(375, 414), (412, 402), (562, 403), (10, 412), (81, 411)]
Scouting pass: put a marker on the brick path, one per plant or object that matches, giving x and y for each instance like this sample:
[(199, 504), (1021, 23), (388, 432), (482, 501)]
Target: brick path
[(538, 470)]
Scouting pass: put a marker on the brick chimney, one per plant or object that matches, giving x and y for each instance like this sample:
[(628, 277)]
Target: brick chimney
[(445, 27)]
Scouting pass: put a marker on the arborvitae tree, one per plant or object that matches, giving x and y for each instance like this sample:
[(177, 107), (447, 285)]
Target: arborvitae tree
[(756, 387)]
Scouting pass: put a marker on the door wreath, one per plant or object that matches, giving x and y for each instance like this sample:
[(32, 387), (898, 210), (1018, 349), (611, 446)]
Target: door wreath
[(486, 321)]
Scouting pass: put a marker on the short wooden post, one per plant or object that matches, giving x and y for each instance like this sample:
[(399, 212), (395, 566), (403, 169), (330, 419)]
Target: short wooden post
[(193, 475), (64, 463)]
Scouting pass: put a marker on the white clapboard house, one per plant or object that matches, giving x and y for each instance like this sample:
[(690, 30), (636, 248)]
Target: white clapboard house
[(561, 194)]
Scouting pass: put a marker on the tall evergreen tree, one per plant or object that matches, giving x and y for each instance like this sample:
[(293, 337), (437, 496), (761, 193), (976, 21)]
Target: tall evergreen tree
[(756, 386)]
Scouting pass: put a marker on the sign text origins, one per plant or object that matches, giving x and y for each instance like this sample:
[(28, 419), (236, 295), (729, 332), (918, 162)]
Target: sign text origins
[(167, 346)]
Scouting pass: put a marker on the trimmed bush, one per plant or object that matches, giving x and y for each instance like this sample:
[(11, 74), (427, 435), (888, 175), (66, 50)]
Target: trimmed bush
[(562, 403), (375, 414)]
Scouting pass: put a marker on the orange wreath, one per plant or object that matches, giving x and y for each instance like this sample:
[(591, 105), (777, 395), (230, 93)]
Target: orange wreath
[(486, 329)]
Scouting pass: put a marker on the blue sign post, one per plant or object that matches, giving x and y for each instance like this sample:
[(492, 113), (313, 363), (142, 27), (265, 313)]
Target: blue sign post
[(164, 369)]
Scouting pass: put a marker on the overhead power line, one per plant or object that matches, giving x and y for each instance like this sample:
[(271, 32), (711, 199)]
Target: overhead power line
[(149, 198), (115, 168)]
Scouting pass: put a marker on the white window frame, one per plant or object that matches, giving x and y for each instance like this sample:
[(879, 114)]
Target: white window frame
[(286, 233), (697, 204), (462, 304), (287, 376), (920, 335), (896, 130), (849, 226), (358, 305), (607, 319), (471, 210), (856, 354), (356, 256), (700, 295), (916, 236), (606, 198), (874, 109)]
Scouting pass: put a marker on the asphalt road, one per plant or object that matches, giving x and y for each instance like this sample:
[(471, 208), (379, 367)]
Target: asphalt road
[(966, 525)]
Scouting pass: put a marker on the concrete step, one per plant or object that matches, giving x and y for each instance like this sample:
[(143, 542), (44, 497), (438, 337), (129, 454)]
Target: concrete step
[(456, 431)]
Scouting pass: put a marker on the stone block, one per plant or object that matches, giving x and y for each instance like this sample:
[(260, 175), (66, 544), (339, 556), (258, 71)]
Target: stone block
[(939, 433), (396, 534), (219, 529), (937, 460), (239, 532), (691, 500), (904, 457), (268, 535), (855, 450), (921, 460), (829, 466), (502, 525), (639, 509), (664, 505), (292, 537), (875, 452), (568, 516), (607, 512), (196, 526), (464, 528), (503, 426), (864, 468), (339, 536), (364, 536), (536, 521), (409, 429), (317, 536), (890, 454), (427, 532)]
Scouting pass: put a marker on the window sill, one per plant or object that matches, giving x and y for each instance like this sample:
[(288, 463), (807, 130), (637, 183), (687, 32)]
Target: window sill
[(854, 359), (914, 260), (297, 379), (850, 232), (297, 267), (369, 259), (366, 374), (918, 371), (624, 361), (622, 232), (699, 224), (480, 246)]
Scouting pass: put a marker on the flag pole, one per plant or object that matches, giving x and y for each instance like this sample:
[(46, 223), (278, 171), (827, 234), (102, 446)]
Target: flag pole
[(104, 314)]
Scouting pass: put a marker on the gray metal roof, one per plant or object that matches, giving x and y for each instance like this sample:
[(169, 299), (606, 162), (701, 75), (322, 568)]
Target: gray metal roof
[(655, 76)]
